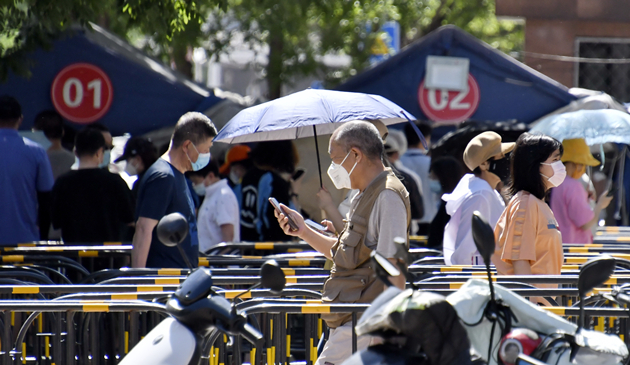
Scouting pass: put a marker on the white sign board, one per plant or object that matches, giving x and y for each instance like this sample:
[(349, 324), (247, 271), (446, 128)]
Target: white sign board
[(447, 73)]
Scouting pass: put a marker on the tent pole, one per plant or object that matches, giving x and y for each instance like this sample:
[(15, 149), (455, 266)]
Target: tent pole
[(319, 166)]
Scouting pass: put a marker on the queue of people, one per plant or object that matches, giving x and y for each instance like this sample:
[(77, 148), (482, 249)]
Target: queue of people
[(72, 195), (90, 204)]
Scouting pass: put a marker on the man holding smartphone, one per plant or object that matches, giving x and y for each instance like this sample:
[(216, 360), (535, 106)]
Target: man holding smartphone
[(378, 214)]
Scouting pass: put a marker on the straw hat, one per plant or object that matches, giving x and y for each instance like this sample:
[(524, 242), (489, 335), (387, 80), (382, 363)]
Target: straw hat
[(577, 151), (483, 147)]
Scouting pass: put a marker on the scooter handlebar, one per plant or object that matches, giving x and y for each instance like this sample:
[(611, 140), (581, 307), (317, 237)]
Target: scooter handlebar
[(623, 298), (250, 333)]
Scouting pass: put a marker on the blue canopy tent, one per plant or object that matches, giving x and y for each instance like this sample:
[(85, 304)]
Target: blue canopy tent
[(146, 94), (508, 89)]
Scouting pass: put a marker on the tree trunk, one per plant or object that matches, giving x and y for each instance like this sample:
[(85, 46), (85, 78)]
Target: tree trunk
[(274, 66), (179, 52), (103, 21)]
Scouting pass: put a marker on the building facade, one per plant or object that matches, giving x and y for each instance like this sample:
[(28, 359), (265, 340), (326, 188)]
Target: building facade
[(561, 34)]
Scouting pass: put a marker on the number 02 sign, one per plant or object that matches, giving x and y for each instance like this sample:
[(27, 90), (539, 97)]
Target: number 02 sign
[(449, 107), (82, 93)]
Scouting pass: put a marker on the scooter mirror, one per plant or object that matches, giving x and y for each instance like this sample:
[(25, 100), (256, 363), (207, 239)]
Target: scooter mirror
[(483, 236), (172, 229), (594, 273), (272, 277)]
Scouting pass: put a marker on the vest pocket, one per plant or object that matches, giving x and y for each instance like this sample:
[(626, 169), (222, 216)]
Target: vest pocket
[(348, 252), (344, 289)]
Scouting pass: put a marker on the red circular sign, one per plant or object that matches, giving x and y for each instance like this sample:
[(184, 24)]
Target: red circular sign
[(449, 107), (82, 93)]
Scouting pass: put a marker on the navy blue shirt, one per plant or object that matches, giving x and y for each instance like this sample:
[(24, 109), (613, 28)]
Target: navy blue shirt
[(163, 190), (91, 205), (24, 171)]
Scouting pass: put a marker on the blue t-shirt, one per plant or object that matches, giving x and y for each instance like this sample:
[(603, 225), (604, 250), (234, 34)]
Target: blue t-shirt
[(272, 185), (163, 190), (24, 171)]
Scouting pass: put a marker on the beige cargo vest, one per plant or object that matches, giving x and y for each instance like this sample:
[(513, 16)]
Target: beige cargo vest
[(352, 278)]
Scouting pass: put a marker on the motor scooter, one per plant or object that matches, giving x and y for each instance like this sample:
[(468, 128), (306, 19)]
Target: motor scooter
[(489, 314), (196, 311)]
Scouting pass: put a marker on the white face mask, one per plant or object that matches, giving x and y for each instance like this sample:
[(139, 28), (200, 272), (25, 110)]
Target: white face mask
[(339, 175), (559, 173), (130, 169), (200, 189)]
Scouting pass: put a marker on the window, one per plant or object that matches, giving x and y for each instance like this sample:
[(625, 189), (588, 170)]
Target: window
[(613, 79)]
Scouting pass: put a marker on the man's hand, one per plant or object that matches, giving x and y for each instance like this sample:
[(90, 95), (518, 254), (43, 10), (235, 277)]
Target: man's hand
[(330, 227), (283, 221), (317, 240), (324, 199), (325, 202)]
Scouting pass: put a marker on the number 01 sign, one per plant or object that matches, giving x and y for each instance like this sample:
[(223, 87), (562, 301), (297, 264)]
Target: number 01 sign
[(82, 93), (449, 107)]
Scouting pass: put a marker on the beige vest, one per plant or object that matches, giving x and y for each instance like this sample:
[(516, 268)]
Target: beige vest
[(352, 277)]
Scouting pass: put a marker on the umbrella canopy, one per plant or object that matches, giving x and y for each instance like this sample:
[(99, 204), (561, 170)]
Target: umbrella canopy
[(308, 113), (595, 126)]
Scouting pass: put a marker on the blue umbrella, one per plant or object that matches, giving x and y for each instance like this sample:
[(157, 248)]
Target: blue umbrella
[(595, 126), (309, 113)]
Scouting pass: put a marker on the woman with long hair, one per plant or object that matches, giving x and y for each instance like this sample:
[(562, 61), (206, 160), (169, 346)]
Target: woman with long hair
[(528, 240)]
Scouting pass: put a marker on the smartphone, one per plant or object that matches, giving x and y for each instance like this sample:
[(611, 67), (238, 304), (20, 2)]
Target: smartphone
[(318, 227), (276, 205), (298, 173), (612, 191)]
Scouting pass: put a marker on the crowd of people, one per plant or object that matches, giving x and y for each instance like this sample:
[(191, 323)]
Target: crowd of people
[(534, 193), (68, 193), (71, 195)]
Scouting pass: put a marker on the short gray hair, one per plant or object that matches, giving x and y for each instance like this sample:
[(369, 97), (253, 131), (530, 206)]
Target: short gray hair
[(361, 135)]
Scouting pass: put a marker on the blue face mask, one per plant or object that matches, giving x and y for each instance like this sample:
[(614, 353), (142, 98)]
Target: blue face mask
[(435, 187), (202, 159), (107, 154)]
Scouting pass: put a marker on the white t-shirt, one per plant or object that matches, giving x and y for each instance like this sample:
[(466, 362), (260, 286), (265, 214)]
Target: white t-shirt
[(471, 194), (344, 206), (219, 207)]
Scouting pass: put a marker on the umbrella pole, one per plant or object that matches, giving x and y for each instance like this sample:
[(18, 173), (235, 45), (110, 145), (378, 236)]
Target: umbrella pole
[(319, 165)]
